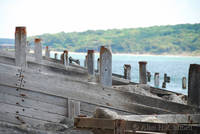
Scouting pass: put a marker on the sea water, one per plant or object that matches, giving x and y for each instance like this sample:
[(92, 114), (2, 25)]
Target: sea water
[(176, 67)]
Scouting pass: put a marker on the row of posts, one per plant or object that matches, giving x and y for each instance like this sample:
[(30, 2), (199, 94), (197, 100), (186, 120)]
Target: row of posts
[(144, 76), (102, 62), (104, 66)]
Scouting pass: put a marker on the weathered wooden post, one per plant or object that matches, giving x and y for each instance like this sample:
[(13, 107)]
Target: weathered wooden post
[(20, 46), (149, 76), (164, 85), (184, 82), (64, 58), (98, 65), (127, 71), (90, 63), (38, 50), (56, 56), (156, 79), (194, 85), (27, 47), (166, 78), (105, 66), (73, 109), (85, 61), (66, 63), (142, 72), (47, 52)]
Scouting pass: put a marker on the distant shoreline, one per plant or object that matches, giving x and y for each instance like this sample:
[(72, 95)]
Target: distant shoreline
[(131, 54)]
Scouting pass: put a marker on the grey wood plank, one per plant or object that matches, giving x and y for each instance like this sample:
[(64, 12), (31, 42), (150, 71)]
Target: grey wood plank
[(12, 118), (36, 96), (166, 118), (30, 112), (28, 103)]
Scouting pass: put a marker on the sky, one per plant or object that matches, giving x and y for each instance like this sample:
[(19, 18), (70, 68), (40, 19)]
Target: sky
[(52, 16)]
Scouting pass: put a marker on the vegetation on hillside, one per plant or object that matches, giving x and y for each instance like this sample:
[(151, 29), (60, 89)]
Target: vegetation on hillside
[(176, 39)]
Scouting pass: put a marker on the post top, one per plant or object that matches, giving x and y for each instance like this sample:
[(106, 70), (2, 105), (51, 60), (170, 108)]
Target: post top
[(104, 49), (142, 62), (90, 51), (20, 29), (65, 51), (38, 40), (127, 66)]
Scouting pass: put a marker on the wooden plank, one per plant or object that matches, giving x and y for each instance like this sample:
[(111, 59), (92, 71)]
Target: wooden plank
[(166, 118), (107, 97), (30, 112), (90, 108), (92, 123), (12, 118), (37, 96), (28, 103), (73, 109)]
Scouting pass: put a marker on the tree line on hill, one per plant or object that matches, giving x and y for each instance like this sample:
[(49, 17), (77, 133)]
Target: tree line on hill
[(170, 39)]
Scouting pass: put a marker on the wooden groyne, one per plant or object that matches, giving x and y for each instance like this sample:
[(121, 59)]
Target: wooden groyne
[(36, 89)]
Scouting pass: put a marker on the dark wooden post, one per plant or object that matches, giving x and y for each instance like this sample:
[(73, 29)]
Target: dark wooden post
[(64, 58), (127, 71), (184, 82), (143, 72), (85, 61), (20, 46), (56, 56), (98, 65), (194, 85), (66, 63)]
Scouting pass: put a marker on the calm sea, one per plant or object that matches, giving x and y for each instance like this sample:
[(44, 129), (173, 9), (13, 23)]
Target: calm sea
[(175, 66)]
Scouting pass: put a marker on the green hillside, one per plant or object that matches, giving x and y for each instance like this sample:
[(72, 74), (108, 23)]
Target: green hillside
[(176, 39)]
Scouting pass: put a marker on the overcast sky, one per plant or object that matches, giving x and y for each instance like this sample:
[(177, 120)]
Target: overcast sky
[(51, 16)]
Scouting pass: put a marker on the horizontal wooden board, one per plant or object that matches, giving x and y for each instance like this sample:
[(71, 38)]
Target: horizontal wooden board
[(36, 96), (30, 112), (12, 118), (28, 103), (166, 118), (92, 123)]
